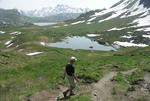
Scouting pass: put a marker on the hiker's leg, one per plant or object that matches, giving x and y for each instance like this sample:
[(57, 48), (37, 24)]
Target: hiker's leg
[(72, 86), (71, 83)]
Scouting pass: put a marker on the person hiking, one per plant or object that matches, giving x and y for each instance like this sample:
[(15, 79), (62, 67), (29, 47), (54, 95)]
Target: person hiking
[(70, 74)]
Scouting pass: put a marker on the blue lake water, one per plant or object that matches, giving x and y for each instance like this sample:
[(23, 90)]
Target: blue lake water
[(77, 42)]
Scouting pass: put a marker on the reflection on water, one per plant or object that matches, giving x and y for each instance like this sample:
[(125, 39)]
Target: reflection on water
[(77, 42)]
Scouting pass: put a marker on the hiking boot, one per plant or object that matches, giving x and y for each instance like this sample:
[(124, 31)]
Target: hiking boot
[(65, 94)]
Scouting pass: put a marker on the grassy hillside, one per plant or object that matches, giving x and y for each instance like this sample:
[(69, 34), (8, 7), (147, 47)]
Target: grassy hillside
[(22, 75)]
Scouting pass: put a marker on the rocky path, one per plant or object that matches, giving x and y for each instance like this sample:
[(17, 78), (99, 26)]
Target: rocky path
[(101, 91)]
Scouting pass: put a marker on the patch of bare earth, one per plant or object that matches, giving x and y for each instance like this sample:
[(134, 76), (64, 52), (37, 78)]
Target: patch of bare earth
[(106, 89), (52, 95), (101, 91)]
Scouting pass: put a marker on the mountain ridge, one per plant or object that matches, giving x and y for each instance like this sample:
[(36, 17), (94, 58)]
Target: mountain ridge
[(59, 13), (12, 17), (124, 9), (50, 11)]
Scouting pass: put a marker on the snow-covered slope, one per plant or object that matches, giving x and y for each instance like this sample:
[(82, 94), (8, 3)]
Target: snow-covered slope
[(59, 9), (140, 9), (128, 8)]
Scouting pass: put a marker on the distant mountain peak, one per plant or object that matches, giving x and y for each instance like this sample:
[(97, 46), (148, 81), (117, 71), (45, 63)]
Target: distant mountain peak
[(58, 9)]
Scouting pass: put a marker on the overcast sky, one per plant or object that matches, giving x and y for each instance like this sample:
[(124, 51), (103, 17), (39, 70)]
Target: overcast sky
[(37, 4)]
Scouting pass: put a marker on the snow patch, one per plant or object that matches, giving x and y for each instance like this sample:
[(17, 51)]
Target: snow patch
[(2, 32), (143, 29), (8, 42), (146, 36), (9, 45), (114, 15), (92, 35), (43, 43), (129, 32), (78, 22), (34, 53), (89, 23), (116, 29), (91, 19), (129, 44), (144, 14), (131, 41), (126, 36), (66, 25), (15, 33), (56, 26), (144, 21)]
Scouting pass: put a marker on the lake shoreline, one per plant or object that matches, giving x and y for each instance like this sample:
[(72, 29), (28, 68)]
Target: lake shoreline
[(84, 43)]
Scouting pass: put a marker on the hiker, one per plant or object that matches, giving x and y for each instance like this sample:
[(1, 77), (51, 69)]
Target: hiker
[(70, 74)]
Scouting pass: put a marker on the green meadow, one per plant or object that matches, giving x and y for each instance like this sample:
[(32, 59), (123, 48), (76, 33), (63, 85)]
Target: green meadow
[(22, 76)]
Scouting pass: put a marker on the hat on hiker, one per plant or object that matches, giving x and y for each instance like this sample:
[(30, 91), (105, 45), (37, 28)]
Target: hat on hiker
[(73, 58)]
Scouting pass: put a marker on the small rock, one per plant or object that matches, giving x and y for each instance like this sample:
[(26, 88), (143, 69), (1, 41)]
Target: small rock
[(148, 87), (5, 56), (132, 55), (95, 94), (117, 66), (91, 47), (112, 79), (57, 87), (132, 88), (125, 94), (139, 82), (28, 99)]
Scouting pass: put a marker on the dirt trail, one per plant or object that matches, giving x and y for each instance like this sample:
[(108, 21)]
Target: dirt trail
[(101, 91), (105, 88)]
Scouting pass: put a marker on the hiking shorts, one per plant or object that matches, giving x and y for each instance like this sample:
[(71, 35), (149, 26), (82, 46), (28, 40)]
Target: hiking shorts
[(71, 81)]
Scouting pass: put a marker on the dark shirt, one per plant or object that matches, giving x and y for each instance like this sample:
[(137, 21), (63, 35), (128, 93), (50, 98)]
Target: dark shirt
[(70, 69)]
